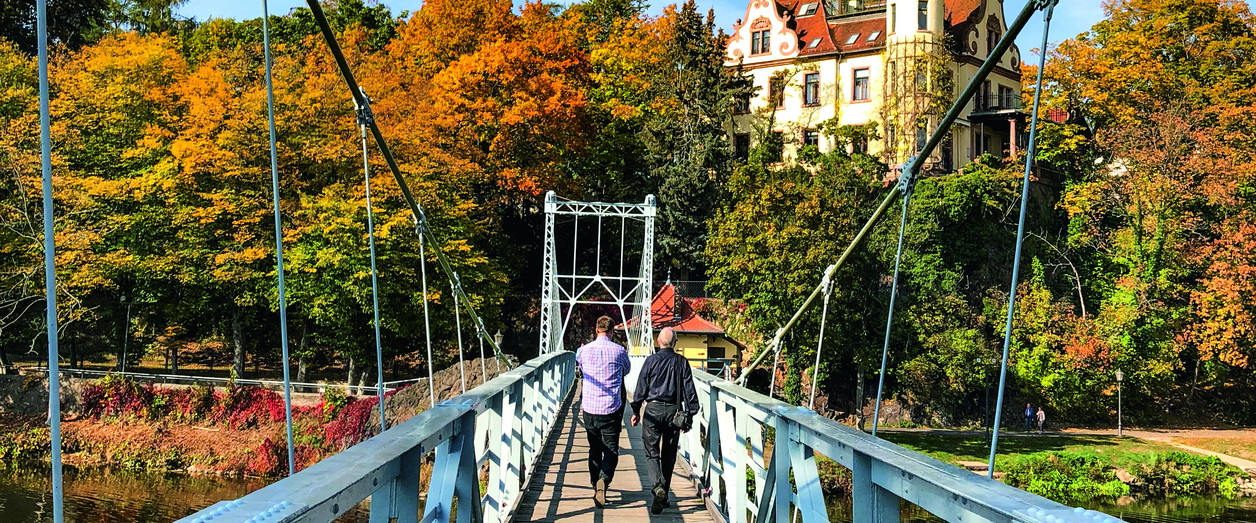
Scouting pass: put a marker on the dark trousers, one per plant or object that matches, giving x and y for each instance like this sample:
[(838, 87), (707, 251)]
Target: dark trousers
[(662, 441), (1029, 423), (603, 432)]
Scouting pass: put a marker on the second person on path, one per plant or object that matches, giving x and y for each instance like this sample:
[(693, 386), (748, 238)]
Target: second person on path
[(666, 388)]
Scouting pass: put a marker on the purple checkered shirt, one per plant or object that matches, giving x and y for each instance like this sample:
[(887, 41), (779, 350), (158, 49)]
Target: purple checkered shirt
[(604, 364)]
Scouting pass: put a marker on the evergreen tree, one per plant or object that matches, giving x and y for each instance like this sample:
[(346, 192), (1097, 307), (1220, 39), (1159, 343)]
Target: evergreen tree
[(688, 146)]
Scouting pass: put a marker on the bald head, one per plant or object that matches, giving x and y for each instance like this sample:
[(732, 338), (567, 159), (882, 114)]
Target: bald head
[(667, 338)]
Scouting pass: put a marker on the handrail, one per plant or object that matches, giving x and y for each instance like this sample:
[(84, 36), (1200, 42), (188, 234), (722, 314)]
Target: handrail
[(167, 378), (501, 425), (729, 438)]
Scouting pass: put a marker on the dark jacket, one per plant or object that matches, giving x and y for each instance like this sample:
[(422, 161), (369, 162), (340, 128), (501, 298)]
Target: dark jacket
[(658, 378)]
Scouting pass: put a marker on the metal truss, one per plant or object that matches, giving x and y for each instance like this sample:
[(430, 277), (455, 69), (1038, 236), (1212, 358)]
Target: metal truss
[(629, 292)]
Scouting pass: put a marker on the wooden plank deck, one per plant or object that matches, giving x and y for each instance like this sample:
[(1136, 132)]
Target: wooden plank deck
[(560, 489)]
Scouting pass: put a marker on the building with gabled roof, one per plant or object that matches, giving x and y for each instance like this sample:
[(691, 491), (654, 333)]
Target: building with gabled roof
[(897, 64), (705, 344)]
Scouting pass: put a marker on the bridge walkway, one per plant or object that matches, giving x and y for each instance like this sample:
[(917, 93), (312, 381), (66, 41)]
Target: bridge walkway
[(560, 490)]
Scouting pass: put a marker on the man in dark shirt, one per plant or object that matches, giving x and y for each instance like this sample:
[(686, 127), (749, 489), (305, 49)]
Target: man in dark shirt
[(661, 375)]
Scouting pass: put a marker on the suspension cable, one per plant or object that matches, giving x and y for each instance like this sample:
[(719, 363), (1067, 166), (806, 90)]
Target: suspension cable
[(279, 269), (1020, 232), (462, 368), (824, 316), (483, 365), (907, 187), (370, 234), (419, 216), (50, 265), (427, 322)]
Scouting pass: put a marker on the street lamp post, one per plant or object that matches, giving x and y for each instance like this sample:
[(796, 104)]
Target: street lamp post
[(1119, 377)]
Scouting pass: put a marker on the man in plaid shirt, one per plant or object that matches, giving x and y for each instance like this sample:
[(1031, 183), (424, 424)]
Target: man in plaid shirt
[(604, 364)]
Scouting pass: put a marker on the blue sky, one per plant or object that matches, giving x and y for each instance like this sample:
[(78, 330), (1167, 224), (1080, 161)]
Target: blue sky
[(1071, 16)]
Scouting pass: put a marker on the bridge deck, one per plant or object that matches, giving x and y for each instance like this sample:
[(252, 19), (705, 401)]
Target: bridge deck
[(560, 489)]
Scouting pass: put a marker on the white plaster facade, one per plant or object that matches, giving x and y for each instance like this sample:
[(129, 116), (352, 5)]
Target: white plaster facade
[(835, 39)]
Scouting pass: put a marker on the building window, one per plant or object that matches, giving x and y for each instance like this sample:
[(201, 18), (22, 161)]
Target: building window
[(893, 17), (808, 9), (862, 80), (859, 144), (891, 137), (776, 92), (922, 82), (811, 89), (741, 146), (811, 137), (1007, 100), (778, 142), (872, 37), (760, 41), (922, 21), (922, 134), (993, 40), (853, 38)]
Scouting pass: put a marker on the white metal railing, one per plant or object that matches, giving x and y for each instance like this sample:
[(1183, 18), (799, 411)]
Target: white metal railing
[(216, 381), (729, 438), (500, 426)]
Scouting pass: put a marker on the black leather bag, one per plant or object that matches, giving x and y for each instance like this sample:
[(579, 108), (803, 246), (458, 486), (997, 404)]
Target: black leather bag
[(681, 420)]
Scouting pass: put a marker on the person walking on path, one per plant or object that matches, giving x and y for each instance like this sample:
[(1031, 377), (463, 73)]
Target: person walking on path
[(603, 364), (1042, 419), (665, 386), (1029, 417)]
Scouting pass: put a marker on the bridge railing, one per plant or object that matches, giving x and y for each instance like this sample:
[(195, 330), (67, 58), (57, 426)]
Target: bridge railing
[(492, 433), (730, 438)]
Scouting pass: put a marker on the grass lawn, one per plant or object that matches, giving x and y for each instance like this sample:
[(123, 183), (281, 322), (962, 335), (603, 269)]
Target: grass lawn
[(1245, 449), (1120, 452)]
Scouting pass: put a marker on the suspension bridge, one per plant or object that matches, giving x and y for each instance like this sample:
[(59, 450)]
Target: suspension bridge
[(512, 450)]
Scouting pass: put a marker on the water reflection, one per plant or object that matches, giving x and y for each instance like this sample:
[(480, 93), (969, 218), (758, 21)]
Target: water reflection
[(102, 495)]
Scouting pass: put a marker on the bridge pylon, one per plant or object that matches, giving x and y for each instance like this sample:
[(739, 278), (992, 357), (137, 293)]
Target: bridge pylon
[(626, 284)]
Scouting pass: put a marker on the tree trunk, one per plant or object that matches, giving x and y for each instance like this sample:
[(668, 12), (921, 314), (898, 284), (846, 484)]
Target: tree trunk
[(237, 342), (301, 367), (353, 372), (174, 358)]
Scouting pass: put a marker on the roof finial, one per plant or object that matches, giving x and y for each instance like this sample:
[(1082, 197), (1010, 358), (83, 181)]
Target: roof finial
[(669, 275)]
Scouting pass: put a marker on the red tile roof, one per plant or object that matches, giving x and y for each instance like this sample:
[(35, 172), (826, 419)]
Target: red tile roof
[(811, 27), (958, 11), (842, 31), (667, 311)]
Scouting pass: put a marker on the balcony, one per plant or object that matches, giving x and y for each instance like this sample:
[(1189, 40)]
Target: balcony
[(1001, 104)]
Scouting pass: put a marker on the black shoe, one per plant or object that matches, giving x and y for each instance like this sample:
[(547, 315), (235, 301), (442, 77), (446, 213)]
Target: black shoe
[(660, 500), (599, 493)]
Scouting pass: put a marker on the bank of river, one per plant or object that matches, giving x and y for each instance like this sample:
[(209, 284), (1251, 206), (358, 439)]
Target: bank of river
[(1200, 509)]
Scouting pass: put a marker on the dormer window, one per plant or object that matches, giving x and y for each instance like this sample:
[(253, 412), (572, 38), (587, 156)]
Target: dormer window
[(872, 37), (808, 9), (853, 38), (760, 41)]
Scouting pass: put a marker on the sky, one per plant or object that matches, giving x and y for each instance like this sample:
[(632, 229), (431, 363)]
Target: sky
[(1071, 17)]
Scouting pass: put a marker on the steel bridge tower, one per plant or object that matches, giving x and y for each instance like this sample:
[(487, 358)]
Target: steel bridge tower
[(598, 283)]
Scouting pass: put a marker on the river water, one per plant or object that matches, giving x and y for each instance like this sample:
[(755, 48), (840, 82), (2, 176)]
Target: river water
[(101, 495)]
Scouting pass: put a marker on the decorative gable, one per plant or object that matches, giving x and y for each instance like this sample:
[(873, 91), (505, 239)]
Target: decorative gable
[(766, 33)]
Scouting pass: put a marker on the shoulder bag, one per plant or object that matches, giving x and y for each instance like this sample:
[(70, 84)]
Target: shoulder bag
[(681, 420)]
